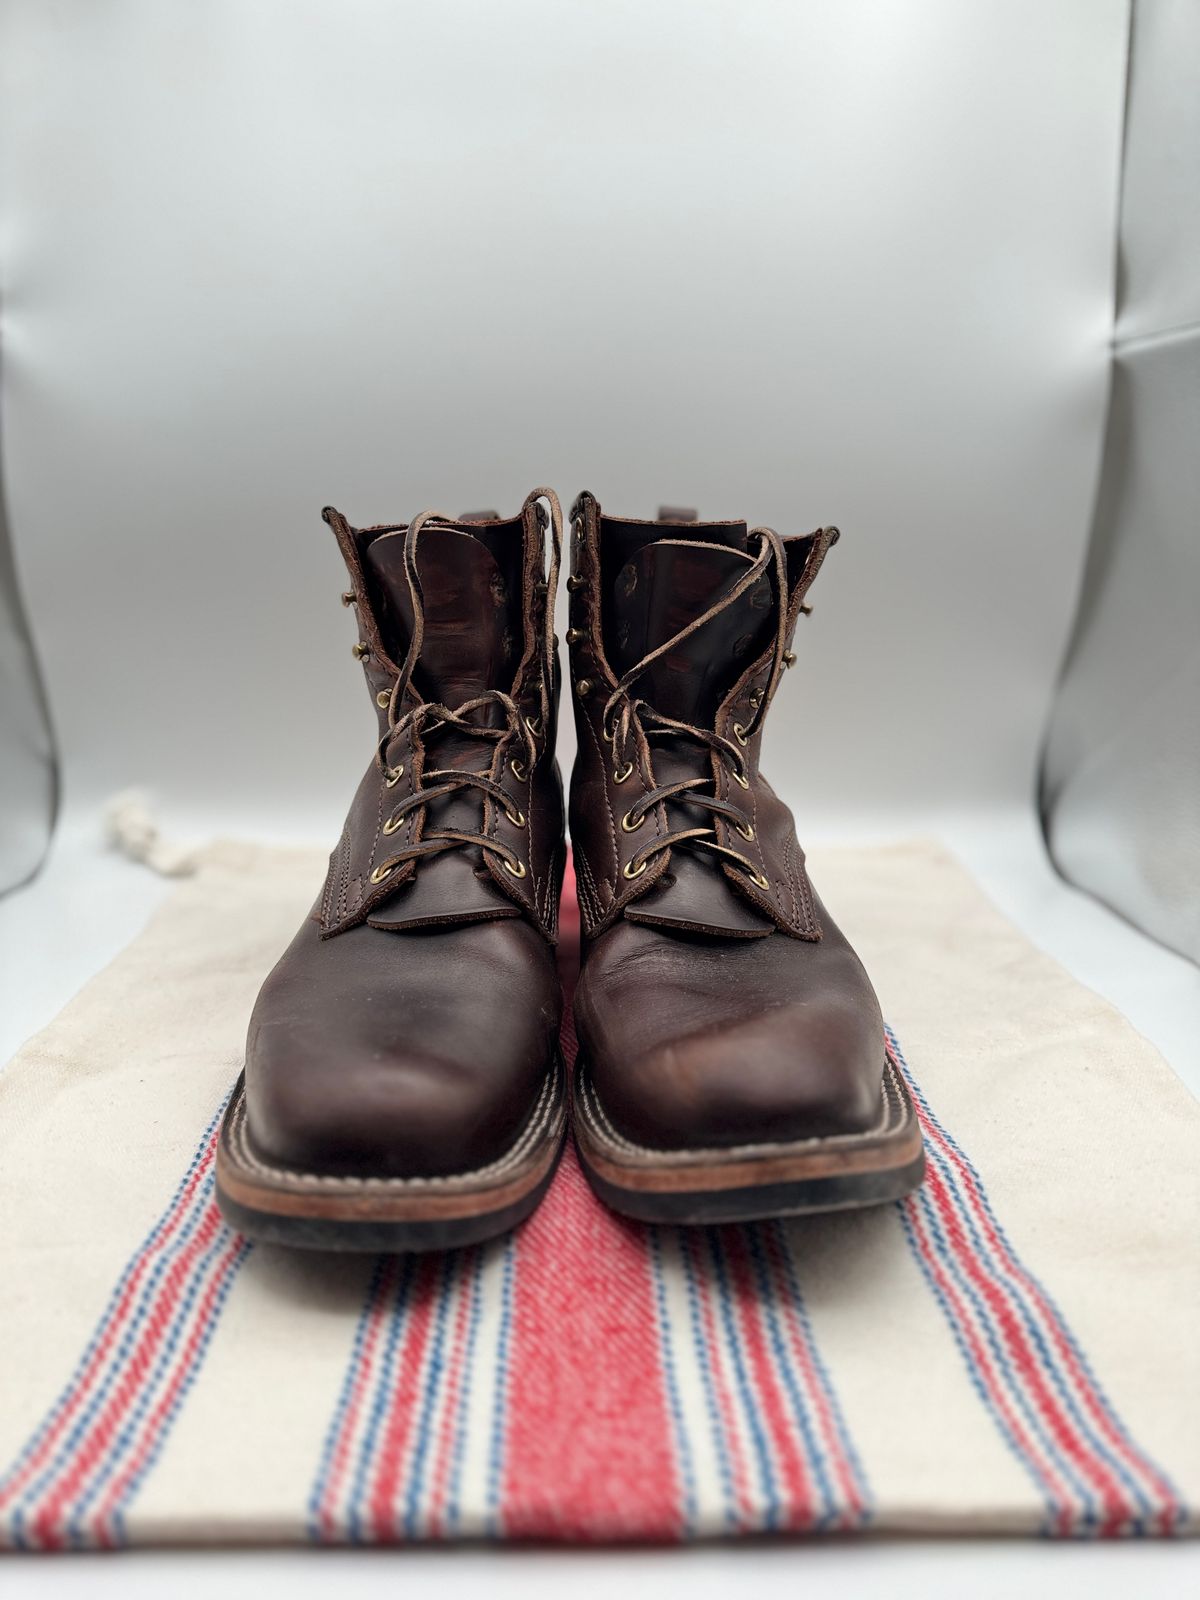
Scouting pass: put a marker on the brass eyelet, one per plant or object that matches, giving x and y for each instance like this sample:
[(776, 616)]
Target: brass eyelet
[(383, 871), (534, 724), (757, 879), (383, 699), (392, 824), (621, 773), (756, 700), (514, 872), (739, 777), (747, 832), (630, 871), (583, 687), (392, 775), (349, 598), (631, 827), (360, 651), (517, 818), (574, 582), (574, 635), (517, 769), (739, 733), (607, 736), (789, 658)]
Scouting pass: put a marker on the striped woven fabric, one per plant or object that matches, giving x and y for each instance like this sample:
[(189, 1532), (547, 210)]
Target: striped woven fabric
[(586, 1378)]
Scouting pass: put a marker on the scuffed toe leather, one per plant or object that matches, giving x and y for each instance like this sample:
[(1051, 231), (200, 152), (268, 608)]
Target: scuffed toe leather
[(745, 1043), (419, 1056)]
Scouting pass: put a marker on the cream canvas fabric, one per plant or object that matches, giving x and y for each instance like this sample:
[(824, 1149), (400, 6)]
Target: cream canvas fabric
[(1013, 1349)]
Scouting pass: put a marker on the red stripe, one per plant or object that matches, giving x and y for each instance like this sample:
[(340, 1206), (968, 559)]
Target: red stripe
[(80, 1388), (404, 1402), (364, 1373), (1026, 1361), (769, 1397), (982, 1360), (586, 1381), (184, 1367), (445, 1438), (589, 1452), (1052, 1325), (97, 1440), (814, 1388)]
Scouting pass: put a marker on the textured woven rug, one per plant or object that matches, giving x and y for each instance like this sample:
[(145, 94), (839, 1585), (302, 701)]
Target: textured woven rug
[(1014, 1348)]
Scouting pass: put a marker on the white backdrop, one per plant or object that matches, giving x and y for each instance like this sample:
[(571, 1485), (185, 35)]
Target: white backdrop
[(841, 261), (847, 261)]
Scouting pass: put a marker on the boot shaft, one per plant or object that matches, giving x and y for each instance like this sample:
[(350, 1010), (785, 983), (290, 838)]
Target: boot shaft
[(459, 817), (680, 633), (482, 589)]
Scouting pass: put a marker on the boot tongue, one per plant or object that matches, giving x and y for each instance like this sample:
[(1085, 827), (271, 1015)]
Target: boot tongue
[(473, 631), (472, 642), (662, 588)]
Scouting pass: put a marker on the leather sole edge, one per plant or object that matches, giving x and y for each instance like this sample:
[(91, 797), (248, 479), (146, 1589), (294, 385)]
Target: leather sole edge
[(324, 1211), (751, 1183)]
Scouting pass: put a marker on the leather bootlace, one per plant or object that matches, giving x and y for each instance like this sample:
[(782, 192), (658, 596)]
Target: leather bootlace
[(626, 714), (426, 718)]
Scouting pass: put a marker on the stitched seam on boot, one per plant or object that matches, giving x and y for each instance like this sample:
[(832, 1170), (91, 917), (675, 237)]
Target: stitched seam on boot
[(608, 816), (591, 902), (787, 867)]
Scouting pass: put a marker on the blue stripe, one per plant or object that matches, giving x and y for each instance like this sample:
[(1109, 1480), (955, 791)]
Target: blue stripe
[(365, 1458), (799, 1310), (1010, 1280), (683, 1449), (109, 1312), (500, 1398), (116, 1359), (702, 1354), (135, 1483), (435, 1372), (1012, 1276), (973, 1372), (458, 1456), (813, 1454), (762, 1449), (324, 1465), (148, 1388), (990, 1325)]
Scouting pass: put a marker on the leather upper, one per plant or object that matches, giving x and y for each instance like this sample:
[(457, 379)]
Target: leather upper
[(488, 603), (718, 1002), (645, 580), (409, 1026)]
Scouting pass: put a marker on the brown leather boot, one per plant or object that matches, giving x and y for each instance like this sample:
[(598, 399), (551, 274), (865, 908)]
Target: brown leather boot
[(731, 1048), (402, 1088)]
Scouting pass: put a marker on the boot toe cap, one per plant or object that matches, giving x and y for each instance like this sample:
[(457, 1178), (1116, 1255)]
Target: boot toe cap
[(378, 1114), (795, 1072)]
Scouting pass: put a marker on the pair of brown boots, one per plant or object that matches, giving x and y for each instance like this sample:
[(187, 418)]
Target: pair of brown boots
[(403, 1087)]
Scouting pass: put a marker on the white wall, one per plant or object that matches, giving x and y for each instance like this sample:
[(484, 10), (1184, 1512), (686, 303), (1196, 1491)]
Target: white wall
[(804, 262)]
